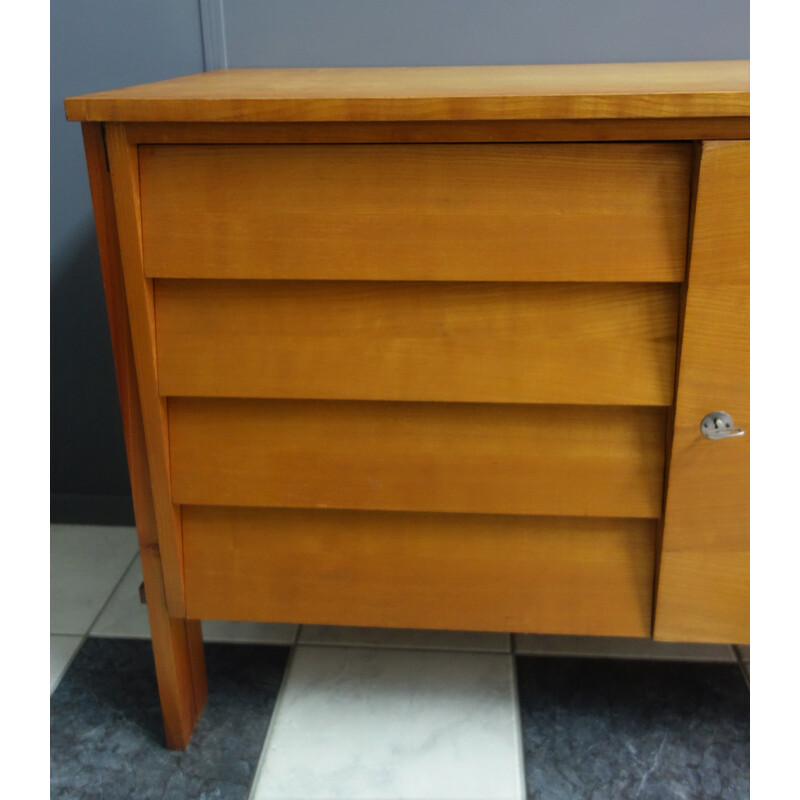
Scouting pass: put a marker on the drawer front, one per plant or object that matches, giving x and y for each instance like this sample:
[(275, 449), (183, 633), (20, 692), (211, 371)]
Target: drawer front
[(568, 576), (455, 457), (500, 342), (497, 212)]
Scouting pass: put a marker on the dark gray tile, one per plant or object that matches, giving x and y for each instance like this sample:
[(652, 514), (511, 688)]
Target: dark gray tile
[(106, 736), (597, 729)]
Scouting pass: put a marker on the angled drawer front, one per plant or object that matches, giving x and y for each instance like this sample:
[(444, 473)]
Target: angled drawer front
[(470, 342), (497, 212), (504, 573), (418, 385), (454, 457)]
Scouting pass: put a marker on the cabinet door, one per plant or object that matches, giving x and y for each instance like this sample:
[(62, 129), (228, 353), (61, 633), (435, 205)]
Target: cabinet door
[(703, 582)]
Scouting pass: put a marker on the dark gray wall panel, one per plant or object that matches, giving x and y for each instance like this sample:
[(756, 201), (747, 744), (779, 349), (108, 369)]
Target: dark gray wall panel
[(95, 45), (312, 33)]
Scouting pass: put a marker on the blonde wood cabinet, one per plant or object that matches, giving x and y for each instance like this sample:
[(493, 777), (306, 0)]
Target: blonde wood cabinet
[(430, 347)]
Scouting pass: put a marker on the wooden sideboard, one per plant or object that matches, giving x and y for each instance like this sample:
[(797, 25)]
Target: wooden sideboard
[(431, 347)]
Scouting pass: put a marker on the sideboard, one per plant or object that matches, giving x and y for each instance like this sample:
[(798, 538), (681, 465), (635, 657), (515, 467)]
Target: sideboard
[(452, 347)]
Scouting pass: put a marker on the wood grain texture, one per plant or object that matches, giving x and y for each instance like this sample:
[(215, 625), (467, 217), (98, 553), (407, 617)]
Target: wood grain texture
[(456, 457), (493, 573), (541, 130), (703, 592), (516, 343), (124, 166), (563, 91), (177, 643), (533, 212)]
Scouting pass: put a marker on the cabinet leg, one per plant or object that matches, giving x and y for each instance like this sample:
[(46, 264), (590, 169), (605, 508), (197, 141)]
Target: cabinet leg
[(177, 642), (179, 658)]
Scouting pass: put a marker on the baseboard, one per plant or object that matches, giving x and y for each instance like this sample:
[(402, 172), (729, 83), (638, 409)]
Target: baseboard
[(91, 509)]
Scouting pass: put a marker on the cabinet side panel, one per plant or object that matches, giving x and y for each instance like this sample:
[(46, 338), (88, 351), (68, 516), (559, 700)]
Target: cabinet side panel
[(703, 586)]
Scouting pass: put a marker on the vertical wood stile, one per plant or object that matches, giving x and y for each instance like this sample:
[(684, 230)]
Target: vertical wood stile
[(124, 163), (177, 643)]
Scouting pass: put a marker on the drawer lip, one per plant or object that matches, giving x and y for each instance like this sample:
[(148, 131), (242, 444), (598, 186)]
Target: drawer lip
[(586, 344), (614, 211), (482, 572), (438, 457)]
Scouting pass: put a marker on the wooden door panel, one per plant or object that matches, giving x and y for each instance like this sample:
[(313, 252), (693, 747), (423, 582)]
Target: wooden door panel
[(703, 584)]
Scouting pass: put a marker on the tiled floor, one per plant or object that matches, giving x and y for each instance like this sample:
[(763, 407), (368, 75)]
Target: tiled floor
[(616, 728), (106, 738), (352, 713)]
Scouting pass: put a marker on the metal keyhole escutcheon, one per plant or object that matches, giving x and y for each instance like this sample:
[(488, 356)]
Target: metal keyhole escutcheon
[(719, 425)]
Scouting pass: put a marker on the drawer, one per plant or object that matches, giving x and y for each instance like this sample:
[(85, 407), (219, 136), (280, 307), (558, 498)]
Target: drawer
[(455, 457), (496, 212), (502, 573), (481, 342)]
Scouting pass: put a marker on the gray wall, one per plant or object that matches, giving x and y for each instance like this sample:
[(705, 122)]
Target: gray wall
[(417, 32), (97, 44)]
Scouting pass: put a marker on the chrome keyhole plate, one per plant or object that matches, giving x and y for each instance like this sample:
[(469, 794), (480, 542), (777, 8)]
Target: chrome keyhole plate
[(719, 425)]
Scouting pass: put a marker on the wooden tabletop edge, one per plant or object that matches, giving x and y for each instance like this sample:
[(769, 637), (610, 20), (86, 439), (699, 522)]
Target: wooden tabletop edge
[(604, 91)]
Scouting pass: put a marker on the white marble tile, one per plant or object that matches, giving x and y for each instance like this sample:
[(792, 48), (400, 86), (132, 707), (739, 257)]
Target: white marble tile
[(375, 723), (405, 638), (620, 647), (125, 616), (86, 562), (62, 650)]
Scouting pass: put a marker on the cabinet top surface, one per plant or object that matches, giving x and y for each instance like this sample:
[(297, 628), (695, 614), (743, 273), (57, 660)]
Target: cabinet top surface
[(668, 90)]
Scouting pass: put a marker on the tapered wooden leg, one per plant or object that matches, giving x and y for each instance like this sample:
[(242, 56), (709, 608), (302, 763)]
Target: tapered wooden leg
[(177, 642)]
